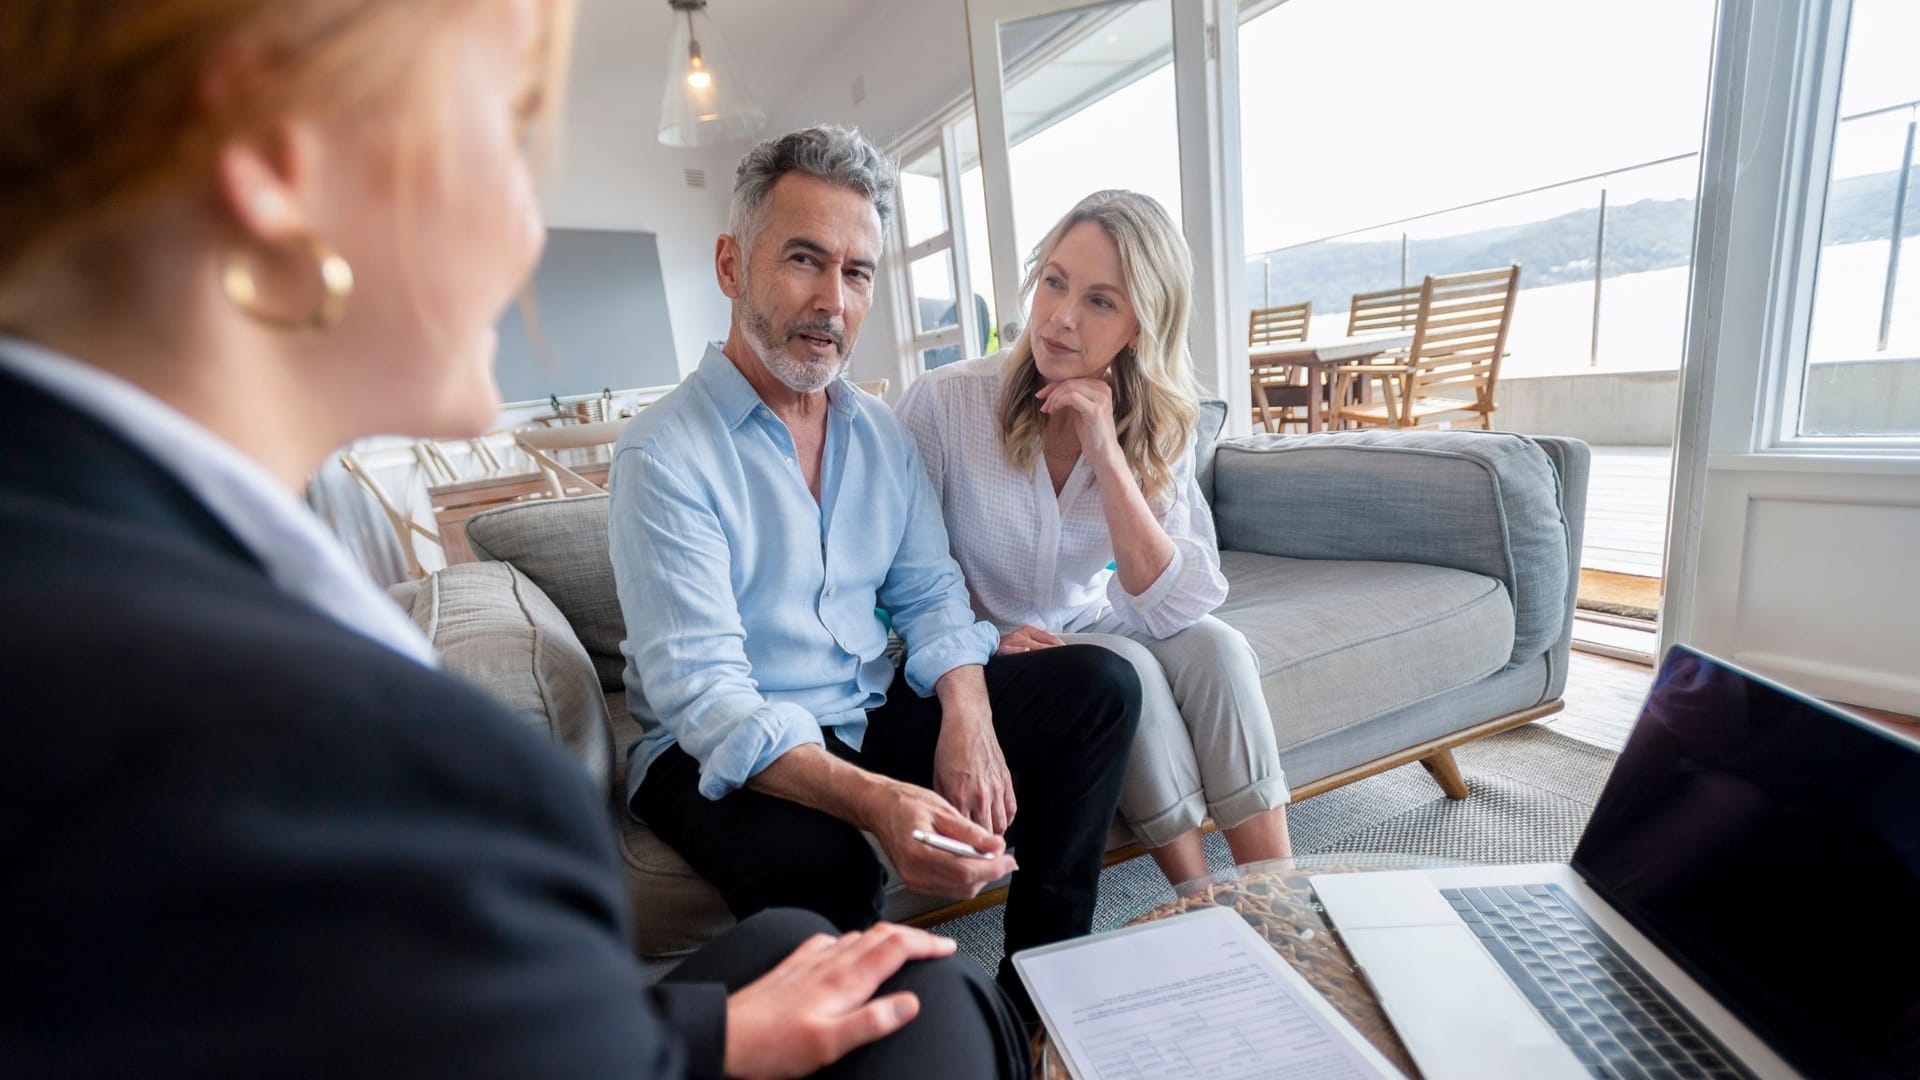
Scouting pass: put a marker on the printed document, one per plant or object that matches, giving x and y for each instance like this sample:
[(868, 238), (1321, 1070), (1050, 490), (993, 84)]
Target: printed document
[(1198, 994)]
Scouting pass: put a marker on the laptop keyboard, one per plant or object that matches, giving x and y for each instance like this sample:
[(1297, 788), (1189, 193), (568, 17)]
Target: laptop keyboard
[(1616, 1020)]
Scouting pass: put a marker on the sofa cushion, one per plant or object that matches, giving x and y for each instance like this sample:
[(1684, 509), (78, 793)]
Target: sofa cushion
[(562, 545), (1341, 642), (493, 627), (1484, 502)]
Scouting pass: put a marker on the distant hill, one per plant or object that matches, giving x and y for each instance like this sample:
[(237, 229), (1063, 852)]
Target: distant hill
[(1652, 234)]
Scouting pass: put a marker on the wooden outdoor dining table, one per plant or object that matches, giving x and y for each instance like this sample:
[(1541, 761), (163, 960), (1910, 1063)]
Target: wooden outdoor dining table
[(1319, 358)]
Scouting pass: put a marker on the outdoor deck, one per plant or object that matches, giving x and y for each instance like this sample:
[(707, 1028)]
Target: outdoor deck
[(1627, 510), (1624, 554)]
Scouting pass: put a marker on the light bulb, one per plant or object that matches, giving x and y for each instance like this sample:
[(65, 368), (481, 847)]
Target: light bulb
[(699, 79)]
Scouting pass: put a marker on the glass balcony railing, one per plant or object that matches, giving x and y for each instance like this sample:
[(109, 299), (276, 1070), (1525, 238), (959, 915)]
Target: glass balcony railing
[(1605, 261)]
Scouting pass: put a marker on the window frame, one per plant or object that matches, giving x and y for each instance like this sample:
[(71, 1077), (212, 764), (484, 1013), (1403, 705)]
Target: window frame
[(936, 137), (1814, 76)]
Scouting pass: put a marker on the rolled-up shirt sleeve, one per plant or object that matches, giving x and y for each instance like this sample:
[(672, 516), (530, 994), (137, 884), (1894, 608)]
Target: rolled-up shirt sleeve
[(924, 593), (1191, 586), (671, 565)]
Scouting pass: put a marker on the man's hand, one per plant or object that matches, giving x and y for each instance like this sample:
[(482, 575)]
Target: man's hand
[(968, 768), (1025, 639), (818, 1004), (970, 772), (901, 808)]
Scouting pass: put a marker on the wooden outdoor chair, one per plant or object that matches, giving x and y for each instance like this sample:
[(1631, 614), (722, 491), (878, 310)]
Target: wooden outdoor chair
[(1388, 309), (1280, 389), (1453, 365), (1384, 311), (545, 444), (876, 387)]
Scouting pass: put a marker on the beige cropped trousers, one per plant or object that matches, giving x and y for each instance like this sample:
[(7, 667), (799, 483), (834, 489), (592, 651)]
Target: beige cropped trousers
[(1206, 745)]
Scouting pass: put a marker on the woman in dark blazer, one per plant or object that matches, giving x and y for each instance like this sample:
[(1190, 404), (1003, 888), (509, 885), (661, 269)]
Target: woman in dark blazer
[(249, 830)]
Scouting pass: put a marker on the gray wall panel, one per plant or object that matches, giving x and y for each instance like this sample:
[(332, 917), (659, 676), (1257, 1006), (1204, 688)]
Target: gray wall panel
[(603, 319)]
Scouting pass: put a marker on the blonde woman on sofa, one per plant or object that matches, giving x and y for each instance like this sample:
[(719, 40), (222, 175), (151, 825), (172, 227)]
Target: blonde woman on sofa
[(1065, 470), (251, 830)]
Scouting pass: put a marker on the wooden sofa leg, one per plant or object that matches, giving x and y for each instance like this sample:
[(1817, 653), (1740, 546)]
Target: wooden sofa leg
[(1446, 773)]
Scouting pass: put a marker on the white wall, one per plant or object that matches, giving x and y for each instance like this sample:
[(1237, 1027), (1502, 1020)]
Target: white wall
[(611, 173), (912, 56)]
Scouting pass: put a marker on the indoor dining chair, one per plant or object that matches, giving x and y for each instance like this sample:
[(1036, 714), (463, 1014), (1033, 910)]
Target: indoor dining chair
[(404, 526), (545, 445)]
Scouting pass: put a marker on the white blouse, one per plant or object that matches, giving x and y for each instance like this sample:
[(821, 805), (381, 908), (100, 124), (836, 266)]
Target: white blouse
[(1031, 557)]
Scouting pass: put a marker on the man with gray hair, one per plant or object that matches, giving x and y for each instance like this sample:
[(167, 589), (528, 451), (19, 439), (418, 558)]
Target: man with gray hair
[(769, 522)]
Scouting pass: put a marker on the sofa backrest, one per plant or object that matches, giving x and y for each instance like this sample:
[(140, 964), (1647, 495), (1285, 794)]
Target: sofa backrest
[(1486, 502), (1206, 427), (561, 545)]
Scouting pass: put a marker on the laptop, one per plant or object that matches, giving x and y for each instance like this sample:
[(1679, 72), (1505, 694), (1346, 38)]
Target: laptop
[(1744, 902)]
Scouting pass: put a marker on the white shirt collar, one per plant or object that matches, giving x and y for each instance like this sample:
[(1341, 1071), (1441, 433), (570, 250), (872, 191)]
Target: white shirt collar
[(299, 554)]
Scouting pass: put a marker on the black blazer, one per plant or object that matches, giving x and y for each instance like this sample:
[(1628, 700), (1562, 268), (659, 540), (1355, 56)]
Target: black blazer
[(241, 840)]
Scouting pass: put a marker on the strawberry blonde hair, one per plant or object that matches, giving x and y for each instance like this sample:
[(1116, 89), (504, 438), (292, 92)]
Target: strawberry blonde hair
[(107, 106)]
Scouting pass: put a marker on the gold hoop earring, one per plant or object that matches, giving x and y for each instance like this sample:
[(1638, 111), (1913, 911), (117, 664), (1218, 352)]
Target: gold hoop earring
[(336, 285)]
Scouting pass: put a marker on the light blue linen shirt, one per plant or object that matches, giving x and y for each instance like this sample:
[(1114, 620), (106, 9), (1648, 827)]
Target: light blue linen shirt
[(750, 607)]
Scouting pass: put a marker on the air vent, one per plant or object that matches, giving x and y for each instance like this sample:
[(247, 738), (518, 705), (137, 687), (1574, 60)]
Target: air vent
[(696, 178)]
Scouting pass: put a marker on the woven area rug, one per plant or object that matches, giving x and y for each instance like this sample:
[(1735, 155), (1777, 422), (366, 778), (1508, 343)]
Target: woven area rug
[(1531, 789)]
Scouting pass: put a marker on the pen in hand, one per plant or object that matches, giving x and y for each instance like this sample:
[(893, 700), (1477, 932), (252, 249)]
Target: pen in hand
[(949, 845)]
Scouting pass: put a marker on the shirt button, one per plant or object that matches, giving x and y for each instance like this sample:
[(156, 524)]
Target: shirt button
[(789, 461), (829, 590)]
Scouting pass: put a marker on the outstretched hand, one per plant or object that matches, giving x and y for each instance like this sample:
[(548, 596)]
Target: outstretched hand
[(817, 1005)]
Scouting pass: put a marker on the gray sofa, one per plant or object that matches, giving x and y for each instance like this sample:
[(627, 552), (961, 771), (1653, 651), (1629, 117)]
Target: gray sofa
[(1405, 592)]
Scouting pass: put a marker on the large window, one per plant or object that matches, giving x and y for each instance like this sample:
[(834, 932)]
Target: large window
[(1862, 372), (1386, 141)]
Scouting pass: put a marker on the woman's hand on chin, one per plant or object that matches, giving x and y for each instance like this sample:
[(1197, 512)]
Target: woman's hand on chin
[(1088, 402)]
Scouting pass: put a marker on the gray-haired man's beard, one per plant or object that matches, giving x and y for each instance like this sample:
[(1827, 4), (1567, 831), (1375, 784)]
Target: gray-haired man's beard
[(802, 376)]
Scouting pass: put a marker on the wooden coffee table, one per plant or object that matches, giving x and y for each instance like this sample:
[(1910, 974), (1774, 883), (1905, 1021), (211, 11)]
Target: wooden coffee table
[(1277, 901)]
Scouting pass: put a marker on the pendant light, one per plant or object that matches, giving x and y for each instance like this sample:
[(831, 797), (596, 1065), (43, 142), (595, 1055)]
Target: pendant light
[(705, 103)]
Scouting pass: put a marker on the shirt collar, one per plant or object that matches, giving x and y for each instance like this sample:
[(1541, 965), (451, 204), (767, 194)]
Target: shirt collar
[(736, 397), (297, 552)]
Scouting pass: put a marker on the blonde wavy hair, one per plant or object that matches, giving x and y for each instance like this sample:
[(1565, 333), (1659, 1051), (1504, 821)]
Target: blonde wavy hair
[(1155, 399)]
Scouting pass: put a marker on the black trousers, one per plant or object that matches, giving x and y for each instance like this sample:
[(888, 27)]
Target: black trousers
[(966, 1030), (1065, 718)]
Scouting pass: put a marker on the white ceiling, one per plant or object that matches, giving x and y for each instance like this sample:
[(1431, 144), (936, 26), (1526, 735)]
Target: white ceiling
[(620, 48)]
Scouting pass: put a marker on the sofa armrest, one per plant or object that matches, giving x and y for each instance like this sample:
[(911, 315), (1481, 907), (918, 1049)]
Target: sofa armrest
[(1487, 502), (495, 628)]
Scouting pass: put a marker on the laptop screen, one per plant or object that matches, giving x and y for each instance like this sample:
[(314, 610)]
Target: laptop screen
[(1772, 846)]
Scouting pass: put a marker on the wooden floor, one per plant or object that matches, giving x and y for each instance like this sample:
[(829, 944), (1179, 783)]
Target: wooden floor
[(1603, 698), (1604, 695)]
